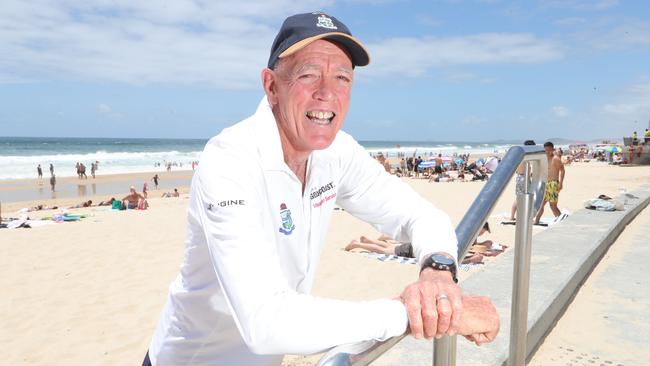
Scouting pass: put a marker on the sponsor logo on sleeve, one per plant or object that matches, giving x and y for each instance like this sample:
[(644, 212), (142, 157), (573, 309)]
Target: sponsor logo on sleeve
[(287, 222), (225, 203), (322, 194)]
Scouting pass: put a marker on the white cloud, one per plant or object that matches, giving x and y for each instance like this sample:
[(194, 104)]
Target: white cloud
[(104, 109), (560, 111), (570, 21), (223, 44), (414, 56)]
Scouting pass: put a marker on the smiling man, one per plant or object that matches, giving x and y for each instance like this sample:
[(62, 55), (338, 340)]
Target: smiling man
[(259, 211)]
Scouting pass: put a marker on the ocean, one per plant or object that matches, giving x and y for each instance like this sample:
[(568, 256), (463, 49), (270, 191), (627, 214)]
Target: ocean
[(19, 156)]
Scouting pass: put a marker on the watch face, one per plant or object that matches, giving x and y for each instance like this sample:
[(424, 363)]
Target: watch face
[(441, 259)]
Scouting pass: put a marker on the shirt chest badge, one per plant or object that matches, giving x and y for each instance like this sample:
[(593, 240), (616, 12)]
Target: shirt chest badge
[(287, 222)]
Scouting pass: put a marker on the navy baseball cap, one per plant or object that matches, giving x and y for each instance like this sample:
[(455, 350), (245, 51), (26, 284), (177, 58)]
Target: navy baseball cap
[(299, 30)]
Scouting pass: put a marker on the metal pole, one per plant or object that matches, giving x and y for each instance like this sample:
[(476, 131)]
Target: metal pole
[(442, 354), (521, 275)]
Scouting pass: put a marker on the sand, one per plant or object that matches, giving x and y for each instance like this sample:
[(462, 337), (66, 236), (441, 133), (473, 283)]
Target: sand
[(90, 292)]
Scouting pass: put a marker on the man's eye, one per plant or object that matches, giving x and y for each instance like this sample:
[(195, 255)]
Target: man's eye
[(307, 76), (344, 78)]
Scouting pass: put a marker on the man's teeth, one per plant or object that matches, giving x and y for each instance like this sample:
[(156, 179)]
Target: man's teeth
[(320, 117)]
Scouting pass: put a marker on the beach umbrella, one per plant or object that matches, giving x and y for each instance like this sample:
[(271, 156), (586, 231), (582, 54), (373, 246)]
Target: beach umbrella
[(427, 164), (613, 149)]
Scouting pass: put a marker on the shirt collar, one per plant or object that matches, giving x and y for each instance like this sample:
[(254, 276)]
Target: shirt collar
[(268, 137)]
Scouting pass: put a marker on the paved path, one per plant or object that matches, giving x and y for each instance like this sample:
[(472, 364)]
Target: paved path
[(608, 322)]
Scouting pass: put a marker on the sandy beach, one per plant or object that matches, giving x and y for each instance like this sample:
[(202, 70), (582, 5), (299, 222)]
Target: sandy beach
[(90, 292)]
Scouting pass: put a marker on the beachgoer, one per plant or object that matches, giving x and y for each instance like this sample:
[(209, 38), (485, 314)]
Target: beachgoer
[(519, 182), (51, 169), (171, 194), (155, 181), (39, 170), (384, 245), (93, 168), (133, 199), (83, 204), (82, 171), (145, 185), (553, 184), (107, 203), (53, 182), (438, 165), (259, 211)]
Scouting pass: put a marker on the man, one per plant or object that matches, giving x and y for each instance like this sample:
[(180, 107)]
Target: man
[(256, 230), (51, 169), (133, 200), (438, 164), (52, 182), (39, 170), (553, 184)]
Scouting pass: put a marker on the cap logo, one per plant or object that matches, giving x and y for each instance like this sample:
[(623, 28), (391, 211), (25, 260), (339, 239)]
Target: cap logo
[(325, 22)]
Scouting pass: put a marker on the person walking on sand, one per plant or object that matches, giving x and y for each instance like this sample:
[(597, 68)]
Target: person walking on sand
[(93, 168), (39, 170), (259, 211), (155, 181), (145, 185), (519, 182), (51, 169), (554, 184), (53, 182)]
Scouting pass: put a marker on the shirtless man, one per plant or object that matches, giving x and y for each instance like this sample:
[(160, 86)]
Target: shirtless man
[(519, 183), (132, 199), (438, 167), (554, 183)]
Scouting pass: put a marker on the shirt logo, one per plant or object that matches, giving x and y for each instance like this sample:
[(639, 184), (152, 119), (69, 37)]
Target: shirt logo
[(317, 194), (325, 22), (287, 223)]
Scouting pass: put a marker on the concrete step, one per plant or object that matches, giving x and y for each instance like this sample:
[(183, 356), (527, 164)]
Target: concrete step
[(608, 322)]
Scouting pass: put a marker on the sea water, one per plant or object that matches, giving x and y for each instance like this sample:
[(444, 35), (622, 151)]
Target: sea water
[(19, 156)]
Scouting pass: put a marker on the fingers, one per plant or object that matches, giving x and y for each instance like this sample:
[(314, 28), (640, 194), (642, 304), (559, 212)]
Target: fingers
[(429, 311), (456, 315), (411, 299), (444, 315)]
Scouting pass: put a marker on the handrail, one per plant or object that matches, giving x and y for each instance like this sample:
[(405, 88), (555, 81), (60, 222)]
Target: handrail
[(466, 232)]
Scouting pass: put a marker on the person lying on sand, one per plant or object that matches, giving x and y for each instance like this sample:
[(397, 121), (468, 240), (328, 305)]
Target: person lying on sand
[(107, 203), (171, 194), (83, 204), (385, 245), (42, 207)]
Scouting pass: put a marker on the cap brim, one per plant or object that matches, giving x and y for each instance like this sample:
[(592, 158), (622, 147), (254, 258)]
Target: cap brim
[(357, 52)]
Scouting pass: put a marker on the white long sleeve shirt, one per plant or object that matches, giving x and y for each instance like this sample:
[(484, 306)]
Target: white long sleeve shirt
[(254, 241)]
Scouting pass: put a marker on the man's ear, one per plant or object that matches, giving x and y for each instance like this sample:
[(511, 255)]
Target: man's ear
[(268, 82)]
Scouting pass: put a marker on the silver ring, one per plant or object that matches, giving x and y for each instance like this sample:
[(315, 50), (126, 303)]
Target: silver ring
[(442, 296)]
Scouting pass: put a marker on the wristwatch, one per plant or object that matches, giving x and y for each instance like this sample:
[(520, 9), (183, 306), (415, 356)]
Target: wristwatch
[(442, 263)]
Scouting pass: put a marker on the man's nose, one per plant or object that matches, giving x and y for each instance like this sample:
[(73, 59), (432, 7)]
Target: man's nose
[(325, 90)]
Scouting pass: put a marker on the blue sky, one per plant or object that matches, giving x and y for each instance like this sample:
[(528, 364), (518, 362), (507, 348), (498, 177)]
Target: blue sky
[(454, 70)]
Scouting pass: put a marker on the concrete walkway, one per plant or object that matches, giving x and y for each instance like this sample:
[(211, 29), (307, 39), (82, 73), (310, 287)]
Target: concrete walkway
[(608, 322)]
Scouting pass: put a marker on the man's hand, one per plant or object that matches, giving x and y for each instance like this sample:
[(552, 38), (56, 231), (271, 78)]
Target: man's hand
[(434, 304), (480, 323)]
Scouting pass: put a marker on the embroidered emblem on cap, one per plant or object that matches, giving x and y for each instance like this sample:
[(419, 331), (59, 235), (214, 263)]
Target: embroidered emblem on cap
[(287, 223), (325, 22)]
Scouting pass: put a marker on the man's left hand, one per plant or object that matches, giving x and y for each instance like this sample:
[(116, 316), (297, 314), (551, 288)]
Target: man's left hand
[(434, 304)]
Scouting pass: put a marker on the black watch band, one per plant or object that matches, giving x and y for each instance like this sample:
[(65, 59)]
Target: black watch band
[(442, 263)]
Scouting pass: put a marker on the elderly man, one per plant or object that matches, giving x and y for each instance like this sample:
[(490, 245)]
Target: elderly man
[(255, 234)]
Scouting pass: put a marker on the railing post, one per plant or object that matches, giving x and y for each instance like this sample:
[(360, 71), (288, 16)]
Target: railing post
[(444, 351), (521, 275)]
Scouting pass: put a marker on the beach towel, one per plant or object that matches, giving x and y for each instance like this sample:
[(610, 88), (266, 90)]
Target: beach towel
[(600, 204)]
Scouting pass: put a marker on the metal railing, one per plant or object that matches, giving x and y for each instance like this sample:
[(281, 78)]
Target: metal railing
[(536, 165)]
